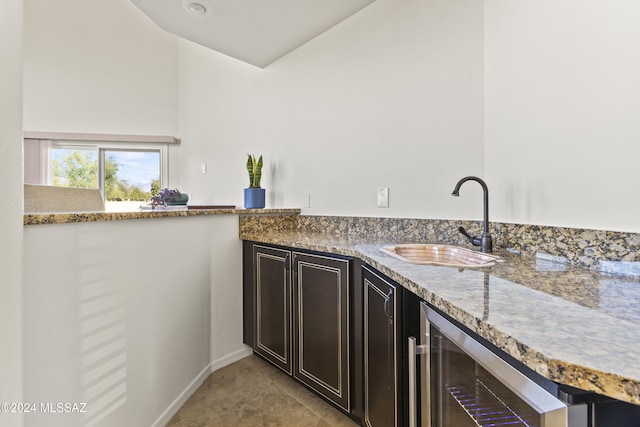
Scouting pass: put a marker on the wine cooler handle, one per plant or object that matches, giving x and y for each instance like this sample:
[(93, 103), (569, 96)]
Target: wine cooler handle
[(412, 382), (414, 351)]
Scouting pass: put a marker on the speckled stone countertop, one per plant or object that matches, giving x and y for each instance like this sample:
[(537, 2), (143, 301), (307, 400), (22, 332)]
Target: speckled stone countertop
[(574, 326), (63, 218)]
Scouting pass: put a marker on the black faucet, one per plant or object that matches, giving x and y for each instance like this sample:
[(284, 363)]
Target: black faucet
[(485, 241)]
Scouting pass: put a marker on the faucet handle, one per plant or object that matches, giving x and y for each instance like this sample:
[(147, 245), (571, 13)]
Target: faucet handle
[(464, 233), (476, 241)]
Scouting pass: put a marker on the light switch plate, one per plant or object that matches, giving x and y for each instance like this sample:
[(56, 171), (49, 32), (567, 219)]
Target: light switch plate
[(383, 197)]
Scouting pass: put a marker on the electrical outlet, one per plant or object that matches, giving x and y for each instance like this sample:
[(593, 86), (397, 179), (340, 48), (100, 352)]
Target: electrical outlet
[(203, 167), (383, 197)]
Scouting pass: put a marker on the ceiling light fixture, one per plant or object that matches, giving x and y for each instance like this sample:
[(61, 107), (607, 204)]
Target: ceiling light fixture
[(197, 8)]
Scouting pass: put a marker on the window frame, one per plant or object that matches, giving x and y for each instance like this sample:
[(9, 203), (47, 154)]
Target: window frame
[(38, 155), (102, 147), (133, 147)]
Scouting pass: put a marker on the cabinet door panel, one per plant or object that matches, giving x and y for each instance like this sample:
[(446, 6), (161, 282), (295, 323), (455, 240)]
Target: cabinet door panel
[(321, 301), (273, 306), (381, 357)]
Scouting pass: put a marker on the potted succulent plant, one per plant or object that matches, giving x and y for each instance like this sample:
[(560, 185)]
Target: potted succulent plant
[(254, 196)]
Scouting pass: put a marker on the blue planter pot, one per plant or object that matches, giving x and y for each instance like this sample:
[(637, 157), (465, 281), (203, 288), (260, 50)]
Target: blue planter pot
[(254, 198)]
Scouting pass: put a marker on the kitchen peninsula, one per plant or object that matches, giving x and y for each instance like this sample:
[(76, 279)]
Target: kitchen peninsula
[(122, 306)]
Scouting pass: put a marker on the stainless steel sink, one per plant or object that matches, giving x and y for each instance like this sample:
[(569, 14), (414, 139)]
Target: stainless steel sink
[(447, 255)]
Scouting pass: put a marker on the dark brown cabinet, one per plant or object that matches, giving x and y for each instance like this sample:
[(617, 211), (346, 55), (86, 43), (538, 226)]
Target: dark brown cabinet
[(272, 315), (321, 325), (382, 352), (299, 318)]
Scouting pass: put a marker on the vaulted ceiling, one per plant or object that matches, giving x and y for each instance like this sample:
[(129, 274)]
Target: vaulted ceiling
[(254, 31)]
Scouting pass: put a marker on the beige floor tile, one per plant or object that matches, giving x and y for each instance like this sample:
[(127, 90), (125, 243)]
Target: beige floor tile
[(251, 392)]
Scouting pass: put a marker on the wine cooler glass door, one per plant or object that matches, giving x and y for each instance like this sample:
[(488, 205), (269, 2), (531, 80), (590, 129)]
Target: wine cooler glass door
[(471, 386)]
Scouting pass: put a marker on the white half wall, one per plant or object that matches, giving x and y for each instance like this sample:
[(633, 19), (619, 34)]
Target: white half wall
[(391, 97), (97, 67), (563, 112), (11, 212), (128, 316)]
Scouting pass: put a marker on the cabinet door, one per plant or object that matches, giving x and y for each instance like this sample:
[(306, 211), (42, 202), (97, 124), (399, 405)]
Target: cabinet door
[(321, 325), (272, 296), (381, 350)]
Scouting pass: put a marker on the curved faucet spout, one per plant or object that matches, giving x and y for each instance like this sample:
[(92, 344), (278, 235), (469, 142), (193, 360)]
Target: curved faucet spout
[(485, 242)]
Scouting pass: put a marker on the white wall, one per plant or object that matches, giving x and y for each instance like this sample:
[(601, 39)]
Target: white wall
[(562, 112), (170, 288), (118, 315), (540, 98), (97, 67), (390, 97), (11, 212)]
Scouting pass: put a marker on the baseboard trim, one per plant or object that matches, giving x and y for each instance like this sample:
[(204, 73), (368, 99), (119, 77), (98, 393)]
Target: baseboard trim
[(231, 358), (193, 386)]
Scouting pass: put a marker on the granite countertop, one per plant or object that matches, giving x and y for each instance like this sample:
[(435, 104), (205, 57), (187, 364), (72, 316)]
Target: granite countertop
[(70, 217), (572, 325)]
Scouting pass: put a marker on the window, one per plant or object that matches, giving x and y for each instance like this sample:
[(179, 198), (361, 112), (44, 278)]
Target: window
[(127, 173)]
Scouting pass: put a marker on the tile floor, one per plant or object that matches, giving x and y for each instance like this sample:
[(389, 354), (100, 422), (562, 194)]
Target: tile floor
[(251, 392)]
